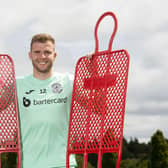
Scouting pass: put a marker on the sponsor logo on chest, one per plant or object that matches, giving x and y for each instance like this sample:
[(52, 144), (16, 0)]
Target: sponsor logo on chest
[(56, 88)]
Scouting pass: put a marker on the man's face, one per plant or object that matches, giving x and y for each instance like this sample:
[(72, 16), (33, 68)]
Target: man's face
[(42, 56)]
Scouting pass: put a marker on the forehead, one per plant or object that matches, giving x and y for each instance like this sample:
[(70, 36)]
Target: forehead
[(41, 46)]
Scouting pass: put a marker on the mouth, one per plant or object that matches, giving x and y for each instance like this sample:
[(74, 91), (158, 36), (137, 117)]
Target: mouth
[(42, 63)]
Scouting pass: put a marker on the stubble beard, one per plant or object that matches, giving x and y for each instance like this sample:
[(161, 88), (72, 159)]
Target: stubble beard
[(41, 70)]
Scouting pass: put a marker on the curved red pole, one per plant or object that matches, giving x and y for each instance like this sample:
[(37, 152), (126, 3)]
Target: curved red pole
[(113, 33)]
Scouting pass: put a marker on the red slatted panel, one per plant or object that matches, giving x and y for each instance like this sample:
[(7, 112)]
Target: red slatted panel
[(98, 103), (9, 124)]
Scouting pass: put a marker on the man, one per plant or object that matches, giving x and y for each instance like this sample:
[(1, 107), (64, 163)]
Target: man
[(44, 100)]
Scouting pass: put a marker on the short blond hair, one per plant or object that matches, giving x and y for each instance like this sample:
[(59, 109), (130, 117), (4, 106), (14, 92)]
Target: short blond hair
[(42, 38)]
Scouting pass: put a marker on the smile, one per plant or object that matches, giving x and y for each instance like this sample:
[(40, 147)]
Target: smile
[(42, 62)]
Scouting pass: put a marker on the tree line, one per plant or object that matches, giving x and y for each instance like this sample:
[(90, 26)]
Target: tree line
[(153, 154)]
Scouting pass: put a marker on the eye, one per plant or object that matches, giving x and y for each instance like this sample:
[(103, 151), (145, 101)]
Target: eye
[(47, 52), (37, 52)]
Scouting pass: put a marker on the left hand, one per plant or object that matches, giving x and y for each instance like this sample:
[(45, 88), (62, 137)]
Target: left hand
[(90, 55)]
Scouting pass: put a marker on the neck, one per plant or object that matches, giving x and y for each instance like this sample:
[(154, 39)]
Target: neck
[(41, 75)]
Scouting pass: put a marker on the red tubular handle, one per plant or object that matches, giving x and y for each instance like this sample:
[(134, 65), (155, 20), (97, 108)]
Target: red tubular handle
[(113, 34)]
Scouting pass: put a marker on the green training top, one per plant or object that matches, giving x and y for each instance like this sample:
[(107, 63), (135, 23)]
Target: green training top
[(44, 107)]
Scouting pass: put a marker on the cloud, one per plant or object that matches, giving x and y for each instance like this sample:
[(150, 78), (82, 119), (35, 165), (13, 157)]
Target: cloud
[(155, 49), (143, 127)]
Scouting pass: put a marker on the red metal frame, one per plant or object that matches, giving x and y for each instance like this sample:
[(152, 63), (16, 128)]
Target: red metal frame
[(98, 102), (9, 119)]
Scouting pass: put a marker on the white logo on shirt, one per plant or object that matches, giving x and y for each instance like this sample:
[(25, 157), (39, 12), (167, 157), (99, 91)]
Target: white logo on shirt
[(56, 88)]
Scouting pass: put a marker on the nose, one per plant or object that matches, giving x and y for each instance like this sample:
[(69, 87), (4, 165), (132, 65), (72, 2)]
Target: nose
[(42, 55)]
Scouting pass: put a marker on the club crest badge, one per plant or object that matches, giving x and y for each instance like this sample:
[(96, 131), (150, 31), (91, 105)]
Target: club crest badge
[(56, 88)]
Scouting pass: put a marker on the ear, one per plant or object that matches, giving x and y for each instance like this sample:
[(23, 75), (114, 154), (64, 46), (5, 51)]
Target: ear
[(55, 55), (30, 55)]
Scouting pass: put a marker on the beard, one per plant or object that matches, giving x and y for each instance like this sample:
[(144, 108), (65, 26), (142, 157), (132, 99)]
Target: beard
[(44, 69)]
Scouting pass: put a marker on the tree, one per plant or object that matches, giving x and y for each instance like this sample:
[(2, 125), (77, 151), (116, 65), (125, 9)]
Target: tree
[(109, 160), (79, 160), (159, 154), (134, 163), (8, 160), (126, 154)]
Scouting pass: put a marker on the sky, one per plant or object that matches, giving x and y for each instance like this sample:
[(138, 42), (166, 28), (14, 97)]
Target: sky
[(142, 31)]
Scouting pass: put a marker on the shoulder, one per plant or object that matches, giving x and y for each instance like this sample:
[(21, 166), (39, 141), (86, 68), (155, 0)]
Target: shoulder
[(22, 79), (64, 76), (65, 79)]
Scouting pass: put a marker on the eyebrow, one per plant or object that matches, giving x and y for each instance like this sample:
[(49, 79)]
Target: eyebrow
[(36, 51)]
